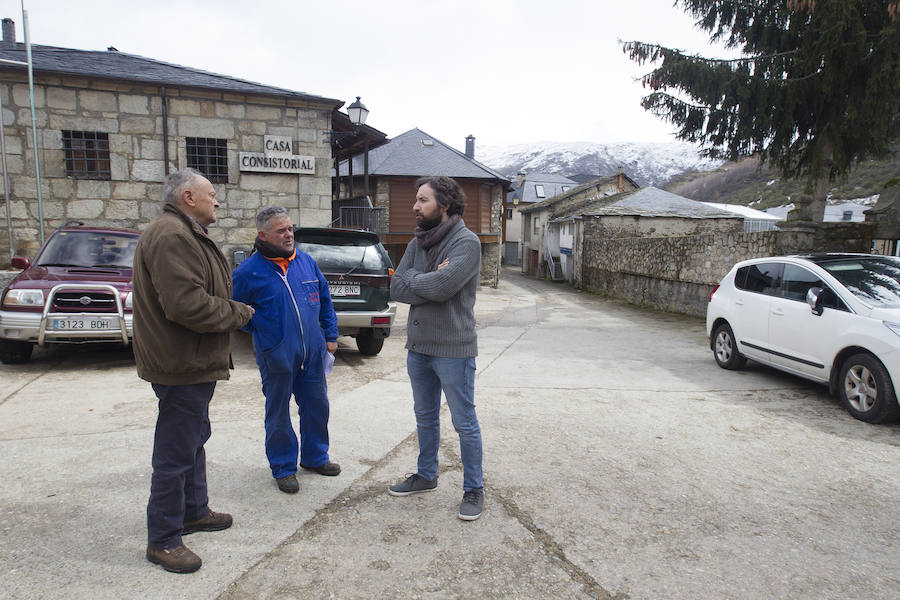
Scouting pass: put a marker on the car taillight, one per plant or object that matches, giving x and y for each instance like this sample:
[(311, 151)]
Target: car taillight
[(712, 292), (381, 320), (379, 282)]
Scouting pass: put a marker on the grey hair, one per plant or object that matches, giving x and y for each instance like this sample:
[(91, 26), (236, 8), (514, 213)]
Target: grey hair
[(177, 182), (267, 213)]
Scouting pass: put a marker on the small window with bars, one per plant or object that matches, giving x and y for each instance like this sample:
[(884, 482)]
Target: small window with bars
[(209, 156), (86, 154)]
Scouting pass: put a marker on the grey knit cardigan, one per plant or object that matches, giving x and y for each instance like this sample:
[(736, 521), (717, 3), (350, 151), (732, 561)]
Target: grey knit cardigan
[(442, 302)]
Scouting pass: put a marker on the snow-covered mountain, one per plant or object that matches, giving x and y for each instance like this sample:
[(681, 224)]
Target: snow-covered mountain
[(646, 163)]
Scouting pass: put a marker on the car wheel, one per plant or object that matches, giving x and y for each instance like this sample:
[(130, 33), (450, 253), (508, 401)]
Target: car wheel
[(866, 390), (14, 352), (725, 348), (368, 343)]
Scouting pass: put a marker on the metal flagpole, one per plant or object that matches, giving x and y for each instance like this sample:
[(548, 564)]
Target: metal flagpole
[(37, 163)]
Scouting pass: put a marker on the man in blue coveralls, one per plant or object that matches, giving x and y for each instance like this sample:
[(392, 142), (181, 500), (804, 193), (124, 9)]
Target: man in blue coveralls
[(293, 327)]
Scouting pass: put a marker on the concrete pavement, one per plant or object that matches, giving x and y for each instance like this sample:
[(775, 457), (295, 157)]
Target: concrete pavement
[(620, 462)]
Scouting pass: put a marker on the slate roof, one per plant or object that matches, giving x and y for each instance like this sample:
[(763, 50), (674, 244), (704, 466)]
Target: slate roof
[(593, 183), (111, 64), (654, 202), (417, 154), (553, 185)]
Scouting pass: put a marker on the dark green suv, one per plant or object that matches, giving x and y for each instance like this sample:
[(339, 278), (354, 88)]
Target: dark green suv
[(358, 271)]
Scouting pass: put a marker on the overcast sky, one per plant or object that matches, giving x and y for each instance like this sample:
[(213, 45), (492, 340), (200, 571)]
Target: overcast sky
[(504, 71)]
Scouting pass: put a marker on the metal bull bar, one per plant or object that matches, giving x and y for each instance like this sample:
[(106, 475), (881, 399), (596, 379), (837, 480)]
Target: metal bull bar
[(120, 312)]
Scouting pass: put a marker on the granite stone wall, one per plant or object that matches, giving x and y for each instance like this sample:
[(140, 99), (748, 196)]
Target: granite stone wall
[(131, 115), (677, 273)]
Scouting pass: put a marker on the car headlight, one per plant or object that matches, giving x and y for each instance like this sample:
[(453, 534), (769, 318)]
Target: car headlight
[(129, 300), (895, 327), (23, 297)]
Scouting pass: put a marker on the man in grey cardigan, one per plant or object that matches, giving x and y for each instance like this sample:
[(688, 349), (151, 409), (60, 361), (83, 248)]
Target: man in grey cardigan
[(438, 276)]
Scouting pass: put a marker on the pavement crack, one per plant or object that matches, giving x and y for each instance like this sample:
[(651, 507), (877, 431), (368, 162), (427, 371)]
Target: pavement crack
[(29, 382), (549, 546), (553, 550)]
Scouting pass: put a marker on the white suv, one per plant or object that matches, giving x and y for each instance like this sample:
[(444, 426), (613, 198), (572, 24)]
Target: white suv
[(832, 318)]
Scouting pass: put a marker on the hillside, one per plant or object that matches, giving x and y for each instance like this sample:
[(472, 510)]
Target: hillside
[(678, 168), (746, 184)]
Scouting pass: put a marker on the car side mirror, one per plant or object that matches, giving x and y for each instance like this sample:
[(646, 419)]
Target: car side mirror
[(20, 262), (814, 299)]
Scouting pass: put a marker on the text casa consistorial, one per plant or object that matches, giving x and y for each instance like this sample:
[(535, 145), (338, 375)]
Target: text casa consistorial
[(277, 158)]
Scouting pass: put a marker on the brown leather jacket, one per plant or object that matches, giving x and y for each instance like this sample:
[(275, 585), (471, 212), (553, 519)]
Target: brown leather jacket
[(183, 311)]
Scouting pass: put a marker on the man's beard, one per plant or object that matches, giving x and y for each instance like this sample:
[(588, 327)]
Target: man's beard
[(427, 224)]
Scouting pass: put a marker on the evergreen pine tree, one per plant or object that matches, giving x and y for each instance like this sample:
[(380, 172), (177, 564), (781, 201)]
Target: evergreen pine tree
[(816, 88)]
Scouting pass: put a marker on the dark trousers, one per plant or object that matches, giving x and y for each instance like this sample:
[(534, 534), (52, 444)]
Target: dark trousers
[(178, 485)]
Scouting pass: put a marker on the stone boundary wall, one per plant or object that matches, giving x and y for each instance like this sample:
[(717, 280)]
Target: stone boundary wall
[(676, 274)]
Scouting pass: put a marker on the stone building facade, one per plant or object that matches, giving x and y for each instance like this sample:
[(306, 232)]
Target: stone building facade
[(151, 128), (535, 242)]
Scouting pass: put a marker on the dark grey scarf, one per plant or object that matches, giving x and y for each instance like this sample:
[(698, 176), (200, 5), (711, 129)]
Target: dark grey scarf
[(429, 239)]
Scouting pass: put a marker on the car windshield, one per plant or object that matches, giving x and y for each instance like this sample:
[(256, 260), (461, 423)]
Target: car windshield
[(345, 256), (873, 279), (89, 249)]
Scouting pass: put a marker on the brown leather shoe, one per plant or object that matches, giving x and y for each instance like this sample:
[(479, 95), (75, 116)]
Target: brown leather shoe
[(329, 469), (175, 560), (212, 522), (288, 484)]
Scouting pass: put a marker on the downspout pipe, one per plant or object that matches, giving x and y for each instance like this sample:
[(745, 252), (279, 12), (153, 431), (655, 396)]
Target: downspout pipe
[(165, 124), (12, 241)]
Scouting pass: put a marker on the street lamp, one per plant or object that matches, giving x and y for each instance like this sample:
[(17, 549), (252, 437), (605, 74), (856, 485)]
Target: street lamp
[(358, 113)]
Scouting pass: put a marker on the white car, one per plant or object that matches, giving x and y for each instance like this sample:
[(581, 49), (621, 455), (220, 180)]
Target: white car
[(831, 318)]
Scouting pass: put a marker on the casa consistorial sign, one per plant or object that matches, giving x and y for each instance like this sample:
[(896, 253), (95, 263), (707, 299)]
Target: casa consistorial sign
[(277, 158)]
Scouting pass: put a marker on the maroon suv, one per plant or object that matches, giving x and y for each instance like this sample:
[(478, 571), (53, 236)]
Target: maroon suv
[(78, 290)]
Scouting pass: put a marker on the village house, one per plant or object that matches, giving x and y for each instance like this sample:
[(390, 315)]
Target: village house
[(645, 212), (110, 126), (527, 189), (536, 242), (392, 171)]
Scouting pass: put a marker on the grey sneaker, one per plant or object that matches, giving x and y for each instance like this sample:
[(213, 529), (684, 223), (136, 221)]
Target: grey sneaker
[(471, 505), (414, 484)]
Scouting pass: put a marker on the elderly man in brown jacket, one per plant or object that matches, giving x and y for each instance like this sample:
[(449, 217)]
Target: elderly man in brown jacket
[(183, 316)]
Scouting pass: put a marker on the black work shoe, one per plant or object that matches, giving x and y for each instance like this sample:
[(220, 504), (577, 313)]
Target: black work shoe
[(288, 484), (471, 505), (414, 484), (212, 522), (329, 469), (174, 560)]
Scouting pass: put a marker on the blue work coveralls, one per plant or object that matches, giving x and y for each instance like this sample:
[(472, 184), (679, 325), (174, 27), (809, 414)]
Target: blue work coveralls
[(294, 318)]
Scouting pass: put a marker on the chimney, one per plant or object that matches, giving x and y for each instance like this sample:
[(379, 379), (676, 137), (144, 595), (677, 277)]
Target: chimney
[(620, 180), (520, 179), (470, 146), (9, 33)]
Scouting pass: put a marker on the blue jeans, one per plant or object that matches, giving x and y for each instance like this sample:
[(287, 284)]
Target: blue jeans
[(456, 377), (178, 484)]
